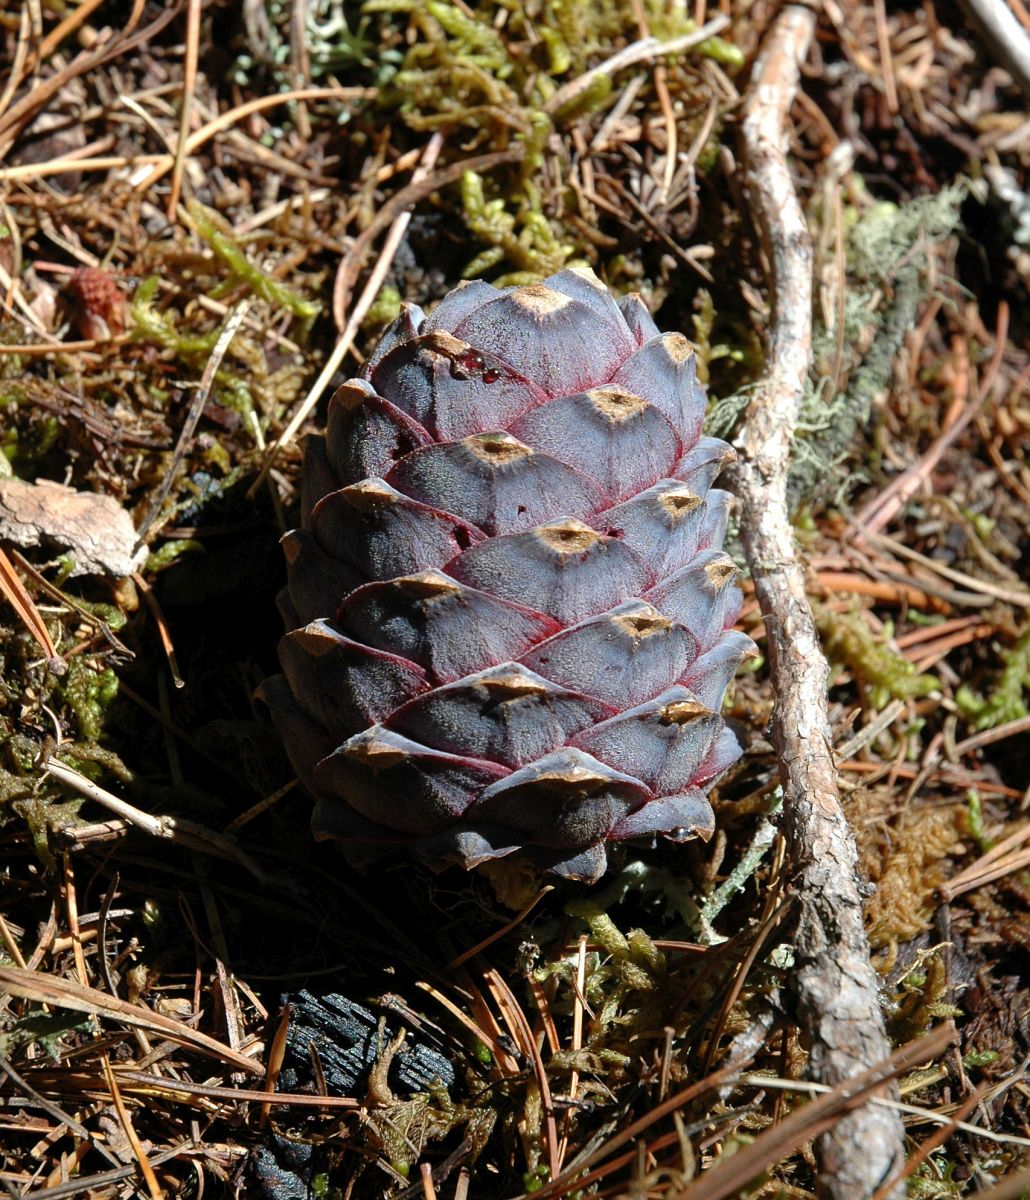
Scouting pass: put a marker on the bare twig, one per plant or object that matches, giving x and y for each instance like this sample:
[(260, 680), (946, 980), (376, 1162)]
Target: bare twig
[(175, 829), (833, 980), (423, 183), (196, 409), (645, 50), (1005, 37)]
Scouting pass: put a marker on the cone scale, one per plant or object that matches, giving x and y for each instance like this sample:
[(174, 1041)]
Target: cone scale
[(508, 607)]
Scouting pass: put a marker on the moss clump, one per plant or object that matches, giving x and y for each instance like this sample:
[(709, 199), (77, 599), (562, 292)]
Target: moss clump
[(882, 673), (525, 239), (88, 693), (921, 998), (1005, 702), (154, 326), (498, 71)]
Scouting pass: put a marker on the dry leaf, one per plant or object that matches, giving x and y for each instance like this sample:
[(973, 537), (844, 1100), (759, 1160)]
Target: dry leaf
[(95, 530)]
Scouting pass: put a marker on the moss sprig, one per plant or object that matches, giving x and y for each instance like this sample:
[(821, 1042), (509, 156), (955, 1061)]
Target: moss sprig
[(881, 672), (526, 238), (1006, 700), (216, 234)]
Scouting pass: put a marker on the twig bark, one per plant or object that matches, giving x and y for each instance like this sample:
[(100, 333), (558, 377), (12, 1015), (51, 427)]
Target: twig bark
[(833, 981), (1004, 36)]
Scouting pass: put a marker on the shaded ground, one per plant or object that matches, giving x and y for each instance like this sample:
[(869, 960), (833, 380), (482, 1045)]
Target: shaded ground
[(120, 269)]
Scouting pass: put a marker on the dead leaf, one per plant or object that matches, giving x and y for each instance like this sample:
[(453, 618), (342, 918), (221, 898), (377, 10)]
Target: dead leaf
[(95, 530)]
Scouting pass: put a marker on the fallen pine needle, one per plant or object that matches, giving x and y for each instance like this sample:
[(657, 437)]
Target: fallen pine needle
[(63, 993)]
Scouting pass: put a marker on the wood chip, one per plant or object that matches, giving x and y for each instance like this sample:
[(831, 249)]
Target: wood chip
[(95, 530)]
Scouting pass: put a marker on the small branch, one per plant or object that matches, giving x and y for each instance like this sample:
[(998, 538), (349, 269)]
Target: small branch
[(175, 829), (357, 315), (645, 50), (835, 986), (1004, 36)]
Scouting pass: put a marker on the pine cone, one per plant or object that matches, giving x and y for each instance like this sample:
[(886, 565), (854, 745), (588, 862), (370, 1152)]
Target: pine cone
[(510, 611)]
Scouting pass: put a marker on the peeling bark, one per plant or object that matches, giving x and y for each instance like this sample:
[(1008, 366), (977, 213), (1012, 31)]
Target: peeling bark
[(834, 984)]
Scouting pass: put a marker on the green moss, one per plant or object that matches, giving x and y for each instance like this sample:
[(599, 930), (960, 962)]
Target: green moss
[(589, 100), (170, 552), (1006, 701), (472, 39), (559, 53), (154, 326), (919, 1001), (525, 239), (386, 308), (214, 231), (975, 817), (979, 1058), (88, 693), (232, 390), (706, 350), (495, 69), (881, 672)]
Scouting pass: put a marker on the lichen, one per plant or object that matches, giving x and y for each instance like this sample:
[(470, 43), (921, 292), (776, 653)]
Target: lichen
[(885, 244)]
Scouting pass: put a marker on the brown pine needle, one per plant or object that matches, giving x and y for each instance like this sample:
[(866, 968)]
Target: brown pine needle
[(162, 627), (63, 993), (276, 1056), (72, 907), (501, 1056), (523, 1035), (139, 1083), (998, 861), (732, 1173), (189, 84), (25, 608), (516, 920), (147, 1171), (988, 737), (936, 1139)]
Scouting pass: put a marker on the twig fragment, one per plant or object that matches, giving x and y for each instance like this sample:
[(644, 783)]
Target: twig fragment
[(834, 982), (645, 50), (185, 833)]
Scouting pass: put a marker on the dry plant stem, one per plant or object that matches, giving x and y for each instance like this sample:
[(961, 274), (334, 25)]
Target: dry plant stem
[(645, 50), (1006, 39), (833, 981), (175, 829)]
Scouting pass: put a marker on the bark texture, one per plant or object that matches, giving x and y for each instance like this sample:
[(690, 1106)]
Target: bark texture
[(835, 986)]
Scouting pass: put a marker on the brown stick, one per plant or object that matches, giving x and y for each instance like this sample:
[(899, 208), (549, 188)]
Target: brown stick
[(833, 980)]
